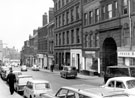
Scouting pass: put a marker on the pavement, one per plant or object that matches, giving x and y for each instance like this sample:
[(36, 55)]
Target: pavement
[(4, 91)]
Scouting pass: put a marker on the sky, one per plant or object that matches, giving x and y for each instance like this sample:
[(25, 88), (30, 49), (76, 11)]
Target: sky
[(18, 19)]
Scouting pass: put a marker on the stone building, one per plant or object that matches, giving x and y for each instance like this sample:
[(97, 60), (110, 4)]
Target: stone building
[(111, 28), (67, 32)]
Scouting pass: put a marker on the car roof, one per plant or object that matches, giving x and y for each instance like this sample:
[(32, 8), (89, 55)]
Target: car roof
[(39, 81), (16, 71), (122, 78), (97, 92), (21, 76), (120, 66)]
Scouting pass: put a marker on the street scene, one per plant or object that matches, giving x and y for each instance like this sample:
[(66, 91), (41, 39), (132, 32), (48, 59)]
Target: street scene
[(67, 49)]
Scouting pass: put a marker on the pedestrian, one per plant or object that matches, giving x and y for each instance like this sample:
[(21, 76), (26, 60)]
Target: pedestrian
[(52, 66), (11, 80)]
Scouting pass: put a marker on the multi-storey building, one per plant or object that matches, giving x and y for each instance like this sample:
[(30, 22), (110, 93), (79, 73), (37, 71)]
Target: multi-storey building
[(112, 25), (50, 29), (90, 50), (68, 37)]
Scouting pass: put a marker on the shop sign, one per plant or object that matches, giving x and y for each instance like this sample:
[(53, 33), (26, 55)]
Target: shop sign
[(40, 55), (126, 53), (89, 53)]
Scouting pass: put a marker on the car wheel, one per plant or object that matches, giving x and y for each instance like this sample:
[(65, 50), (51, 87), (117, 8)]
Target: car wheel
[(30, 96)]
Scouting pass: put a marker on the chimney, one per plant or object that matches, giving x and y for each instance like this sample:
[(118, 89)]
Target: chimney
[(44, 19), (51, 14)]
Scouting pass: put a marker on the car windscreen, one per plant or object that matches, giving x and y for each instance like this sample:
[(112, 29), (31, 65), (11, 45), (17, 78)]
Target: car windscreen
[(42, 86), (118, 71)]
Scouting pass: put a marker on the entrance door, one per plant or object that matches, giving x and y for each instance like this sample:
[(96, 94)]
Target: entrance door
[(109, 53), (78, 60)]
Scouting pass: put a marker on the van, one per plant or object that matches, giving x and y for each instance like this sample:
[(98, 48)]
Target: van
[(119, 70)]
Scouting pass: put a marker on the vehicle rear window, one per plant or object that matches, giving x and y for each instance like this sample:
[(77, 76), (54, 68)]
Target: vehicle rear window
[(41, 86), (24, 80), (119, 71), (132, 71), (130, 84)]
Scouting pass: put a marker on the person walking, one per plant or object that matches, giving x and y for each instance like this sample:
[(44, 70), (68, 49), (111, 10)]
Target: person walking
[(11, 80)]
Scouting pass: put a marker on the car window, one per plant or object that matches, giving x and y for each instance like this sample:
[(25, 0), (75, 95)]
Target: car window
[(120, 84), (62, 93), (29, 85), (83, 96), (130, 84), (41, 86), (111, 84)]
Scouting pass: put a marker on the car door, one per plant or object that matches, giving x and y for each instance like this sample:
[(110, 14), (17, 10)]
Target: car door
[(110, 84), (28, 89)]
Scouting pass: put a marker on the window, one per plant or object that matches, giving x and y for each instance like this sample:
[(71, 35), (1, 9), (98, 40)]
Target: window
[(90, 17), (119, 84), (96, 40), (67, 17), (56, 22), (67, 1), (63, 38), (86, 40), (85, 18), (103, 13), (77, 12), (72, 15), (63, 19), (91, 40), (115, 8), (109, 11), (72, 36), (56, 6), (59, 4), (56, 39), (111, 84), (59, 38), (125, 6), (67, 37), (77, 36), (126, 37), (59, 21), (133, 5), (97, 15), (62, 2)]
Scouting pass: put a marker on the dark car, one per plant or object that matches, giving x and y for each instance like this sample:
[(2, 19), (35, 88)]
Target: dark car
[(120, 70), (69, 71)]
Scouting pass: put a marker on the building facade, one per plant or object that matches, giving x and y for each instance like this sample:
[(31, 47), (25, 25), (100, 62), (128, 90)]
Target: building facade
[(90, 50), (68, 33)]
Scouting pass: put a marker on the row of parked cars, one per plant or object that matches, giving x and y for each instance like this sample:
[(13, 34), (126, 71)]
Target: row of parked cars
[(115, 87)]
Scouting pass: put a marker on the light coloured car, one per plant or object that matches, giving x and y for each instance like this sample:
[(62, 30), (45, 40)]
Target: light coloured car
[(82, 92), (23, 68), (21, 81), (68, 71), (34, 88), (35, 68), (121, 83)]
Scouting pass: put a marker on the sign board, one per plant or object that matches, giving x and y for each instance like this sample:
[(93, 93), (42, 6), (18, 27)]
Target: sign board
[(126, 53)]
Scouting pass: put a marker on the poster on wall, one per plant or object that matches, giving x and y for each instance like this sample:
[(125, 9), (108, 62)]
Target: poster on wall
[(88, 63)]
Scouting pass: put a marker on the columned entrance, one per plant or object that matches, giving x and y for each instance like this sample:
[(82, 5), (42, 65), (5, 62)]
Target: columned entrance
[(109, 53)]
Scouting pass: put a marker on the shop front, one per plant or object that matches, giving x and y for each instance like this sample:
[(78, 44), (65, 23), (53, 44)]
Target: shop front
[(91, 63), (126, 57)]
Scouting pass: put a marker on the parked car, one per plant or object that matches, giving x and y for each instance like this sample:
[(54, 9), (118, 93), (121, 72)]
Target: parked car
[(34, 88), (73, 92), (35, 68), (21, 81), (121, 83), (23, 68), (120, 70), (68, 71)]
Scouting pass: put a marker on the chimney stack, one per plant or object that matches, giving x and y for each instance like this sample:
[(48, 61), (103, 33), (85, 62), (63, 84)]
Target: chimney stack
[(45, 19)]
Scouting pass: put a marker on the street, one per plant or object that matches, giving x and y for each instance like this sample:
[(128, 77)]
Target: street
[(55, 80)]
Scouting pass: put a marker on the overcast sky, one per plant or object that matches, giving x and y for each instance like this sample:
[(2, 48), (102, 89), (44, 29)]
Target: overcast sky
[(18, 19)]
